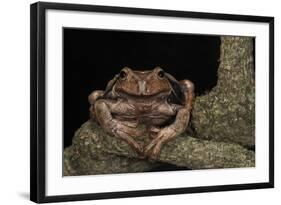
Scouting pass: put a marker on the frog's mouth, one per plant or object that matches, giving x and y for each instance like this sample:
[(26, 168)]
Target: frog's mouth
[(142, 96)]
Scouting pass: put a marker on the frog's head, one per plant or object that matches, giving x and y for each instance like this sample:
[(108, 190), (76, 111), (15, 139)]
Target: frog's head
[(143, 83)]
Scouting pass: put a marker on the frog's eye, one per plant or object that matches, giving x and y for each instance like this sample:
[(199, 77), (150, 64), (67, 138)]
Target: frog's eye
[(122, 75), (161, 74)]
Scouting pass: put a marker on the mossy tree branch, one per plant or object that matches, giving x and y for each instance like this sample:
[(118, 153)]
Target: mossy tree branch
[(227, 113)]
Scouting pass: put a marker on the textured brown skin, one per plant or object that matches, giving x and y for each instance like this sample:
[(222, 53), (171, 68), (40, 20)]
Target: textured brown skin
[(143, 97)]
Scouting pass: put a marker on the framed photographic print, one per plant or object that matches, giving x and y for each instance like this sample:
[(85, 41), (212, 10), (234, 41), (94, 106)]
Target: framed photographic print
[(129, 102)]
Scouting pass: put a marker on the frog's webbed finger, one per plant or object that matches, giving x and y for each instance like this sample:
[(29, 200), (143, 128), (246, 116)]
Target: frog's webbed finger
[(149, 147), (167, 134)]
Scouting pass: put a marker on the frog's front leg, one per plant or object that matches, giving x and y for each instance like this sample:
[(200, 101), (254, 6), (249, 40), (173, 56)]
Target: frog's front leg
[(123, 130), (178, 126)]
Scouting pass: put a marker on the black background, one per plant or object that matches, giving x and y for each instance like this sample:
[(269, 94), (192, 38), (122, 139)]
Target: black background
[(93, 57)]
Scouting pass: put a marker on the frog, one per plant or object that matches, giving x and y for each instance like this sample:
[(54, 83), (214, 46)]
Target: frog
[(153, 98)]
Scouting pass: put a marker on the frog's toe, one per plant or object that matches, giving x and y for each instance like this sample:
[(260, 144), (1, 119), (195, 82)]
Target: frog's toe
[(155, 152), (148, 149)]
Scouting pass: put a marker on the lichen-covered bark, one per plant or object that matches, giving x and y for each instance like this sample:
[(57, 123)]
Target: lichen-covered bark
[(95, 152), (227, 113), (224, 121)]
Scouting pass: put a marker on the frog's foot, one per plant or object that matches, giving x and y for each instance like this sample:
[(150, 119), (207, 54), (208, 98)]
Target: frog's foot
[(117, 128), (127, 133), (152, 150), (126, 137)]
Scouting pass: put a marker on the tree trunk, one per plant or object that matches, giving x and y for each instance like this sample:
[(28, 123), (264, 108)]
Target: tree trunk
[(227, 113)]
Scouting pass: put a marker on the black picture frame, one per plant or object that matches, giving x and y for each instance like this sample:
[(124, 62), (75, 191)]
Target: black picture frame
[(38, 101)]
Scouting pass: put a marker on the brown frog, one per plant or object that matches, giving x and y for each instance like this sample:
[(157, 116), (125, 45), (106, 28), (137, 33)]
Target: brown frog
[(153, 98)]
